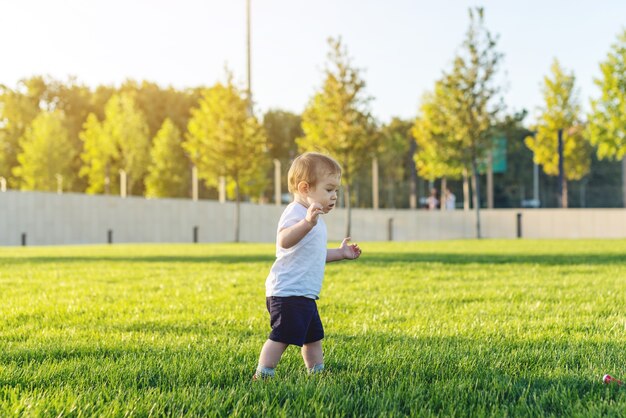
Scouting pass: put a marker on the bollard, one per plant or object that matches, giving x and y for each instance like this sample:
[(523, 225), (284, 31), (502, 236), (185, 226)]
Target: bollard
[(24, 239), (195, 234), (110, 236), (519, 225), (390, 229)]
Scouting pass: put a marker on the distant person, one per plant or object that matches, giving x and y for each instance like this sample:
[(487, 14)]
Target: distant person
[(450, 200), (295, 279), (431, 201)]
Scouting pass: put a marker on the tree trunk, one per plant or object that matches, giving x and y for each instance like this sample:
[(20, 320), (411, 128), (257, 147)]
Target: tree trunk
[(413, 181), (277, 183), (624, 181), (466, 192), (476, 187), (442, 194), (490, 181), (564, 197), (237, 209), (375, 182), (348, 209)]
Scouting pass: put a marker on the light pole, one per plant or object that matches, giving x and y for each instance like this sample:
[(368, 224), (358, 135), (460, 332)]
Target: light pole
[(249, 88)]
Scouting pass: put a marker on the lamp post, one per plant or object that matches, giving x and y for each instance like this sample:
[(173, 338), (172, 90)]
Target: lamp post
[(249, 87)]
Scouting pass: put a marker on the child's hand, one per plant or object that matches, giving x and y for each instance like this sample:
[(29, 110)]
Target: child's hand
[(350, 251), (313, 212)]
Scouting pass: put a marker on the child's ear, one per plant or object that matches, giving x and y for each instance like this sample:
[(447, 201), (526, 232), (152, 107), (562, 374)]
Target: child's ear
[(303, 187)]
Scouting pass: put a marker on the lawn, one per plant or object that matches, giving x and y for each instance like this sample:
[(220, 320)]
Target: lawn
[(463, 328)]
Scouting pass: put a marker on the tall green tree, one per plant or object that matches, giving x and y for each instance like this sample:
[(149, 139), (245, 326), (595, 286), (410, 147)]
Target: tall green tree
[(561, 111), (169, 171), (606, 128), (75, 100), (100, 157), (282, 128), (158, 103), (337, 120), (463, 109), (127, 129), (225, 140), (438, 154), (393, 151), (46, 153), (18, 108), (119, 142)]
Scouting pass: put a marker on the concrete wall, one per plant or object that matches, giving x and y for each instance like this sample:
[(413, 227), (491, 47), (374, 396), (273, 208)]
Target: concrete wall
[(51, 219)]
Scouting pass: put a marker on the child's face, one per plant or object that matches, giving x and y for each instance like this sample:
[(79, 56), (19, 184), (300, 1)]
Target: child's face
[(325, 192)]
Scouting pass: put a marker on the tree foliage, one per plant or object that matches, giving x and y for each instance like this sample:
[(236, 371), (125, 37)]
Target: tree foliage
[(126, 127), (169, 170), (18, 108), (225, 140), (607, 121), (46, 153), (438, 154), (282, 128), (99, 157), (393, 150), (454, 132), (119, 142), (561, 110), (337, 119)]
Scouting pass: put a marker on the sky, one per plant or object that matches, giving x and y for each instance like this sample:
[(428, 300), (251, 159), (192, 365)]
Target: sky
[(400, 46)]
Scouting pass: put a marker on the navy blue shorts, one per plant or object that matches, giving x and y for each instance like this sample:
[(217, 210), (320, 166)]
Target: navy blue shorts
[(294, 320)]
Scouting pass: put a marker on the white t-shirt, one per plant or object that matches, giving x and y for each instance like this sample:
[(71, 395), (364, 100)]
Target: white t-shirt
[(299, 270)]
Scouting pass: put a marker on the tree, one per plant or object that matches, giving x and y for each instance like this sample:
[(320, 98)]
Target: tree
[(119, 142), (157, 103), (168, 173), (99, 156), (517, 182), (75, 101), (18, 108), (47, 153), (438, 154), (225, 140), (393, 151), (337, 119), (463, 109), (126, 128), (607, 121), (561, 111), (282, 128)]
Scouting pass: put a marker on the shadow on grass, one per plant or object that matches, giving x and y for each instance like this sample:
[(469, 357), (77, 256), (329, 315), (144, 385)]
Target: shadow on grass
[(544, 259), (220, 259), (375, 258)]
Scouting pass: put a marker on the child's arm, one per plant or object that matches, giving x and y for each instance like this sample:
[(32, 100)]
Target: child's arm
[(345, 251), (288, 237)]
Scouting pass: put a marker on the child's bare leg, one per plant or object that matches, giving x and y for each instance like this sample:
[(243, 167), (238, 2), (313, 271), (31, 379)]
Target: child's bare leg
[(313, 356), (271, 353)]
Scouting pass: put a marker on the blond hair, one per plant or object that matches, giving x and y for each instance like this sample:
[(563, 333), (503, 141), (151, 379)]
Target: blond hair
[(308, 167)]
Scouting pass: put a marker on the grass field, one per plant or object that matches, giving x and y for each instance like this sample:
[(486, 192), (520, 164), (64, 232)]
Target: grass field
[(463, 328)]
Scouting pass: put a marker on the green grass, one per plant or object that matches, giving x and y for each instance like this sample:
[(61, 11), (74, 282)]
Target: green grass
[(464, 328)]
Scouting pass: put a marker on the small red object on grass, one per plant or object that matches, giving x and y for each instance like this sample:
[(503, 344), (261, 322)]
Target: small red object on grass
[(607, 379)]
